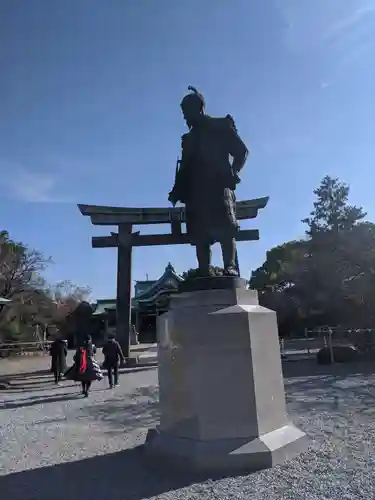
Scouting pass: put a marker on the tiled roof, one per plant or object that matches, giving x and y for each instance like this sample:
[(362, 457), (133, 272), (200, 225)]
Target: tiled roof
[(169, 280), (143, 286)]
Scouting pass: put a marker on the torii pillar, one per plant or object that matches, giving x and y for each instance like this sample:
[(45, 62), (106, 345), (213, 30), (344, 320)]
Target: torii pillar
[(124, 280)]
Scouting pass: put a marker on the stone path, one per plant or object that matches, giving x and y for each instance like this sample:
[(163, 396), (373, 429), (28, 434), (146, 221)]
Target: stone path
[(57, 445)]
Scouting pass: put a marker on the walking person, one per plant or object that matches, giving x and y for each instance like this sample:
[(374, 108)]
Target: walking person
[(58, 353), (85, 368), (113, 356)]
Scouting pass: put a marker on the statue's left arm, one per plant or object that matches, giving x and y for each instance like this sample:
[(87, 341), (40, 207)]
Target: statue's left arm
[(236, 146)]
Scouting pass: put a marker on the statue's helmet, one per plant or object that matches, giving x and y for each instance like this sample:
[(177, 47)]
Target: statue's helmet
[(193, 100)]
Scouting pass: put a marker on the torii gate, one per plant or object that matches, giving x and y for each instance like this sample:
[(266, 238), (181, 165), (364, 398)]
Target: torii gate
[(126, 239)]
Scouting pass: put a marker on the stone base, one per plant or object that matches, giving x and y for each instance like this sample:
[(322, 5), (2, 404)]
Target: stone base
[(227, 456), (212, 283), (221, 391)]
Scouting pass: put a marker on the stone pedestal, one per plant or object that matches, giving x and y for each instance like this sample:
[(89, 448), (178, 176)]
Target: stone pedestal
[(222, 403)]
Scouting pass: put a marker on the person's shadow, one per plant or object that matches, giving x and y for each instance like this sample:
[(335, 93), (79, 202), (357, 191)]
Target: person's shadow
[(117, 476)]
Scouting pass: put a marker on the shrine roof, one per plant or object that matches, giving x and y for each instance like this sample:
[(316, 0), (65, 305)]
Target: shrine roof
[(158, 296), (143, 286), (103, 305), (167, 282)]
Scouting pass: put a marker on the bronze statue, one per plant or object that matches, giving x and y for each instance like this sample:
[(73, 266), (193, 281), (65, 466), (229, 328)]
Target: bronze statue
[(206, 181)]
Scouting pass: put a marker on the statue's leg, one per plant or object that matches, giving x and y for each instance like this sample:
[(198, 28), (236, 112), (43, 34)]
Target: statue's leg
[(204, 258), (229, 251)]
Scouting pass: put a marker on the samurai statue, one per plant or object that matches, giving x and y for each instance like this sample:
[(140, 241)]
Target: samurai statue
[(212, 156)]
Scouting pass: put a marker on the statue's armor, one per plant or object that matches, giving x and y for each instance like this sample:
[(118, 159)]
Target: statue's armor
[(205, 181)]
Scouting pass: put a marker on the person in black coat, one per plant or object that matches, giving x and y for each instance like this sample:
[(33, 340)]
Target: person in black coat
[(58, 352), (113, 355), (85, 368)]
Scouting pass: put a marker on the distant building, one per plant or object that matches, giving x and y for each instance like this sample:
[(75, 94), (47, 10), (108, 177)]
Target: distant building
[(151, 298)]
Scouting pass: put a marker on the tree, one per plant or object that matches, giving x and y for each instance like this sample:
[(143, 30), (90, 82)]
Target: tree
[(328, 277), (32, 301), (277, 282), (274, 275), (359, 281), (66, 295), (331, 209), (20, 279), (333, 226), (79, 322), (74, 312)]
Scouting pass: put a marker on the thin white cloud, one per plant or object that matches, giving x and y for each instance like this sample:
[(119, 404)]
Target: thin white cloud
[(352, 20), (31, 186), (312, 24), (340, 33)]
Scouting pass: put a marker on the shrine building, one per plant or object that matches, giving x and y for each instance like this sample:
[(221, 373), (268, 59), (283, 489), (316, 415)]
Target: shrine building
[(151, 298)]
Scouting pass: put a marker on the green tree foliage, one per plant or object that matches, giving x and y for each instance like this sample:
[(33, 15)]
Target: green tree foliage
[(327, 277), (331, 212)]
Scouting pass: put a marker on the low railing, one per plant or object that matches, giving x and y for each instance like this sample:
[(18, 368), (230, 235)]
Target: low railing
[(8, 349)]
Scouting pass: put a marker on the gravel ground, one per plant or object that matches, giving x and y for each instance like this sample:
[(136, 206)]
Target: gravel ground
[(57, 445)]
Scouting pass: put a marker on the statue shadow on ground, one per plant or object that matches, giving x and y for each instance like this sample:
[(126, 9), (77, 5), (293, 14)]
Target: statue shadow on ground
[(117, 476)]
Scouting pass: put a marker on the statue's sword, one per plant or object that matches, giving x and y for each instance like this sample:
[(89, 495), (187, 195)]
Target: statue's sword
[(175, 218), (178, 162)]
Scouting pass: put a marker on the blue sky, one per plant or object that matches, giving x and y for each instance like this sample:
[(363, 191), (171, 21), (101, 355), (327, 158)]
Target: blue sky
[(89, 113)]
